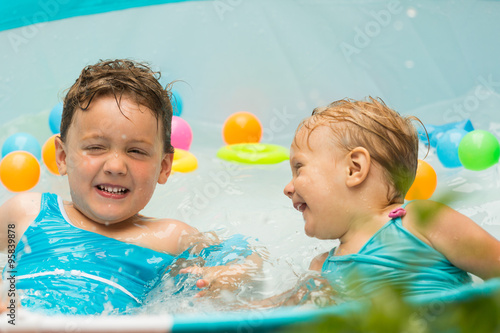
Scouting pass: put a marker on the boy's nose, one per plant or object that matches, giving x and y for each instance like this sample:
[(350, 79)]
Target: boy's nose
[(115, 165), (288, 190)]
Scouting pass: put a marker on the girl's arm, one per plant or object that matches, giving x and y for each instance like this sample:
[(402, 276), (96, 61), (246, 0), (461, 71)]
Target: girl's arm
[(464, 243), (318, 261)]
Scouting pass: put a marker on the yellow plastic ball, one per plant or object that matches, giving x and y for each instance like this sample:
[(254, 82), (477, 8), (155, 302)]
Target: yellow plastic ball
[(49, 154), (19, 171), (242, 127), (425, 182)]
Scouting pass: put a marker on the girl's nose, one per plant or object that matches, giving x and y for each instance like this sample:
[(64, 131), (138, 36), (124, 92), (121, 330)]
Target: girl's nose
[(115, 165), (288, 190)]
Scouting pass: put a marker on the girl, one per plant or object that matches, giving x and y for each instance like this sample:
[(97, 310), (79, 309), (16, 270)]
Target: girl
[(352, 164)]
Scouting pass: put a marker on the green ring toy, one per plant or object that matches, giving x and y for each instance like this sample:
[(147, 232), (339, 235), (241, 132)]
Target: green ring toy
[(253, 153)]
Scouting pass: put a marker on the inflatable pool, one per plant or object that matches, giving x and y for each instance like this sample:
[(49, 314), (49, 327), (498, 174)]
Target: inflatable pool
[(278, 59)]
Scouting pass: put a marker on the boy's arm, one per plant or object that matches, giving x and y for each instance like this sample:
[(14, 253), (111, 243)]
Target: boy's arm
[(464, 243), (16, 215), (214, 279)]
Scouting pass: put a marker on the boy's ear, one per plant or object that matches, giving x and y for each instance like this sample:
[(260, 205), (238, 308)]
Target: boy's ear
[(60, 156), (166, 168), (359, 162)]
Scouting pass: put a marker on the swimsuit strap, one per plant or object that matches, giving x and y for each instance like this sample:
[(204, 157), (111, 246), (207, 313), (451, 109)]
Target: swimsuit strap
[(399, 212)]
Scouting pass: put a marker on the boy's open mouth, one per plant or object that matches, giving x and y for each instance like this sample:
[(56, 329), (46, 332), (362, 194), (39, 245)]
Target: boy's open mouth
[(117, 190)]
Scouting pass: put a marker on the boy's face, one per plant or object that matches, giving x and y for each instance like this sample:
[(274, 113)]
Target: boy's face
[(318, 184), (113, 160)]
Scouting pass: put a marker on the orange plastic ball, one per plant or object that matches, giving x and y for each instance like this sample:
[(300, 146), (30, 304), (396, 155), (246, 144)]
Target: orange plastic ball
[(49, 154), (19, 171), (242, 127), (425, 182)]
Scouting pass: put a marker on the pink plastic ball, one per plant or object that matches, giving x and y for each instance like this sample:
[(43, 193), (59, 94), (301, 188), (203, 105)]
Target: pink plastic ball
[(181, 133)]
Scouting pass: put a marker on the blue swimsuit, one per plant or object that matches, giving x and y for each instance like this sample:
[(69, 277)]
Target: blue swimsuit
[(74, 271), (393, 256)]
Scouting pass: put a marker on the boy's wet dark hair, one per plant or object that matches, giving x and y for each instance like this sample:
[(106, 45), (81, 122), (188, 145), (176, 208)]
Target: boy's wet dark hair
[(120, 78)]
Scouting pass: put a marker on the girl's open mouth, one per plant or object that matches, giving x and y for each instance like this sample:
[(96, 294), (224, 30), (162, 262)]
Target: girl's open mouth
[(300, 206)]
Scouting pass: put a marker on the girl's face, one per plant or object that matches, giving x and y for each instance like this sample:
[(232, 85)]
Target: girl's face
[(113, 160), (318, 188)]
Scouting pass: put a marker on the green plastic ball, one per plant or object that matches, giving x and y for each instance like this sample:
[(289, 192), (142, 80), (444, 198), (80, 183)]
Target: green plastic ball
[(478, 150)]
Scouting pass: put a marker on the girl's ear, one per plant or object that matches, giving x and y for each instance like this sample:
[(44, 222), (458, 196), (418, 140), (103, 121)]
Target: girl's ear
[(166, 168), (61, 156), (359, 162)]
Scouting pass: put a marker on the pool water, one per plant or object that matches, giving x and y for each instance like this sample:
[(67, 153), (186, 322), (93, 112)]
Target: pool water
[(231, 198)]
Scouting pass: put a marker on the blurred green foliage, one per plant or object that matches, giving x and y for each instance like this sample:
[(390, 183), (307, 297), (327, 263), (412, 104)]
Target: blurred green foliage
[(388, 311)]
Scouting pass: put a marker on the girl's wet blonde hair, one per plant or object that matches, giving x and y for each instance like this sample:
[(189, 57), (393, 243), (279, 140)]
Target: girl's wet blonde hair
[(390, 138)]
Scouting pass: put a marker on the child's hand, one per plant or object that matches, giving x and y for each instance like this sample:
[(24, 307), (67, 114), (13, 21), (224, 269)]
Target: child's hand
[(310, 289), (215, 279)]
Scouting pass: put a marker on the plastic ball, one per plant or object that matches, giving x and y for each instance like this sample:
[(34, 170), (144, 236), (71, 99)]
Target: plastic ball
[(55, 118), (447, 147), (424, 184), (24, 142), (177, 103), (19, 171), (479, 150), (242, 127), (49, 155), (182, 135)]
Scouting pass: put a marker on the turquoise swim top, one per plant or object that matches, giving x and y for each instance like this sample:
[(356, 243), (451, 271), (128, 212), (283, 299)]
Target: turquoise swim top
[(65, 269), (393, 256)]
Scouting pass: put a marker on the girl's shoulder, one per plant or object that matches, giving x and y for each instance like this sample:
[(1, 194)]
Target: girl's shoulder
[(423, 216), (422, 213), (461, 240)]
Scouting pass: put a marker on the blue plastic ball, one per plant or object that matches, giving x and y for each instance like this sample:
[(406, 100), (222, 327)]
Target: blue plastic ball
[(24, 142), (447, 147), (55, 118), (176, 103)]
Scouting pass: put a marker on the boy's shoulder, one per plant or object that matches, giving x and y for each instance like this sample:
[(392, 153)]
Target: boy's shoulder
[(22, 205), (19, 211), (170, 235)]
